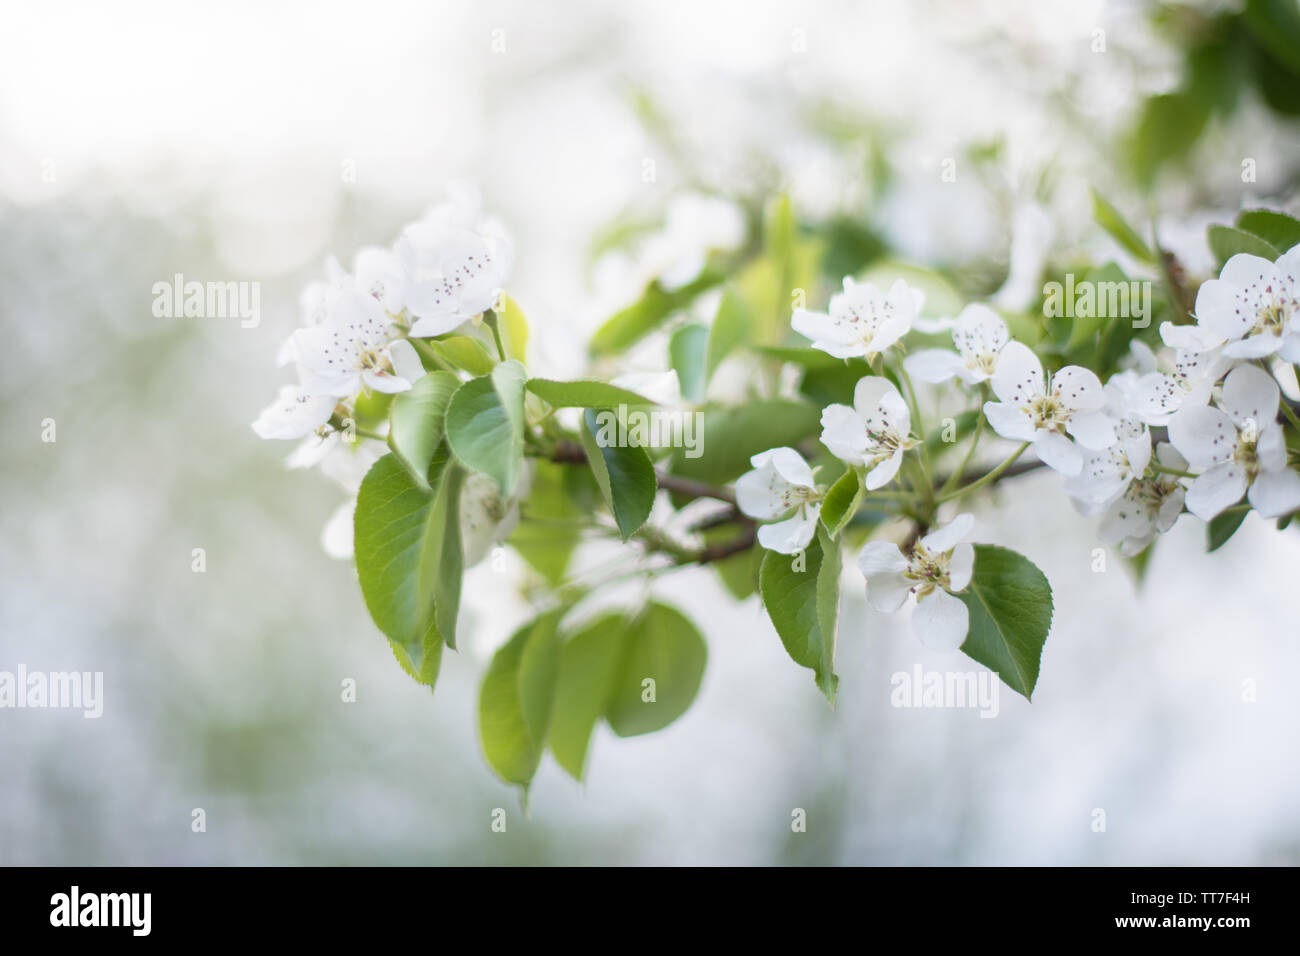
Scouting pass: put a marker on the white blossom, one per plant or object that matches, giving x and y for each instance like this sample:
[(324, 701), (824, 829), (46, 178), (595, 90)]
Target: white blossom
[(1045, 412), (1252, 310), (979, 335), (293, 414), (1149, 505), (939, 566), (862, 321), (874, 433), (780, 486), (1241, 447), (356, 348)]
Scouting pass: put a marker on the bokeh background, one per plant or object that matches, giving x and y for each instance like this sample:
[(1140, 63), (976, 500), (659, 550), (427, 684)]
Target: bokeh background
[(248, 141)]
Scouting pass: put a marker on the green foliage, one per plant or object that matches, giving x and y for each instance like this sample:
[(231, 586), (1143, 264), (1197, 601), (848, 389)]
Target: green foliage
[(416, 422), (801, 594), (841, 502), (485, 424), (624, 474), (586, 393), (1010, 604), (546, 687), (687, 353), (407, 545)]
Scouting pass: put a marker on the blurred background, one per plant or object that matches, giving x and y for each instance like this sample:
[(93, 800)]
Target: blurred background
[(250, 141)]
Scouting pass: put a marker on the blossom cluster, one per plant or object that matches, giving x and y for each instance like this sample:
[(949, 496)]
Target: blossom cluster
[(361, 335), (1195, 429)]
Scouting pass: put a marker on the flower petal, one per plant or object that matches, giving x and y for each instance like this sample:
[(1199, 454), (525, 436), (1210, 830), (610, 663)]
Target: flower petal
[(1058, 453), (1275, 493), (1009, 421), (945, 537), (1093, 430), (1203, 435), (941, 621), (1019, 376), (792, 535), (1250, 395), (1216, 489)]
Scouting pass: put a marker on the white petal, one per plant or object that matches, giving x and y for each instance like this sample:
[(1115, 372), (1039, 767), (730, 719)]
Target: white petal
[(336, 536), (945, 537), (1093, 430), (792, 535), (1009, 421), (1203, 435), (1078, 389), (1275, 493), (406, 361), (789, 464), (1219, 488), (385, 382), (881, 557), (888, 592), (758, 494), (816, 325), (941, 621), (1019, 376), (1250, 395), (884, 472), (1193, 338), (1058, 453), (961, 565), (844, 433), (933, 365)]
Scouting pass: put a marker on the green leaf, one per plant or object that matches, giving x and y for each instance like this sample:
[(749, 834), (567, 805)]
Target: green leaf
[(730, 436), (515, 700), (485, 424), (648, 313), (1277, 229), (429, 660), (515, 326), (584, 393), (625, 475), (1276, 25), (801, 594), (589, 667), (415, 422), (686, 355), (550, 528), (662, 646), (464, 352), (407, 545), (841, 501), (1010, 605), (1222, 527), (1170, 124), (1226, 242), (1109, 218), (731, 328)]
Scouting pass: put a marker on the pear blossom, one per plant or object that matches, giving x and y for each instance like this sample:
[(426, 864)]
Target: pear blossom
[(1241, 446), (453, 263), (1046, 411), (780, 486), (1106, 474), (979, 334), (1158, 395), (862, 320), (874, 433), (1252, 310), (355, 348), (940, 565), (294, 414), (1148, 505)]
